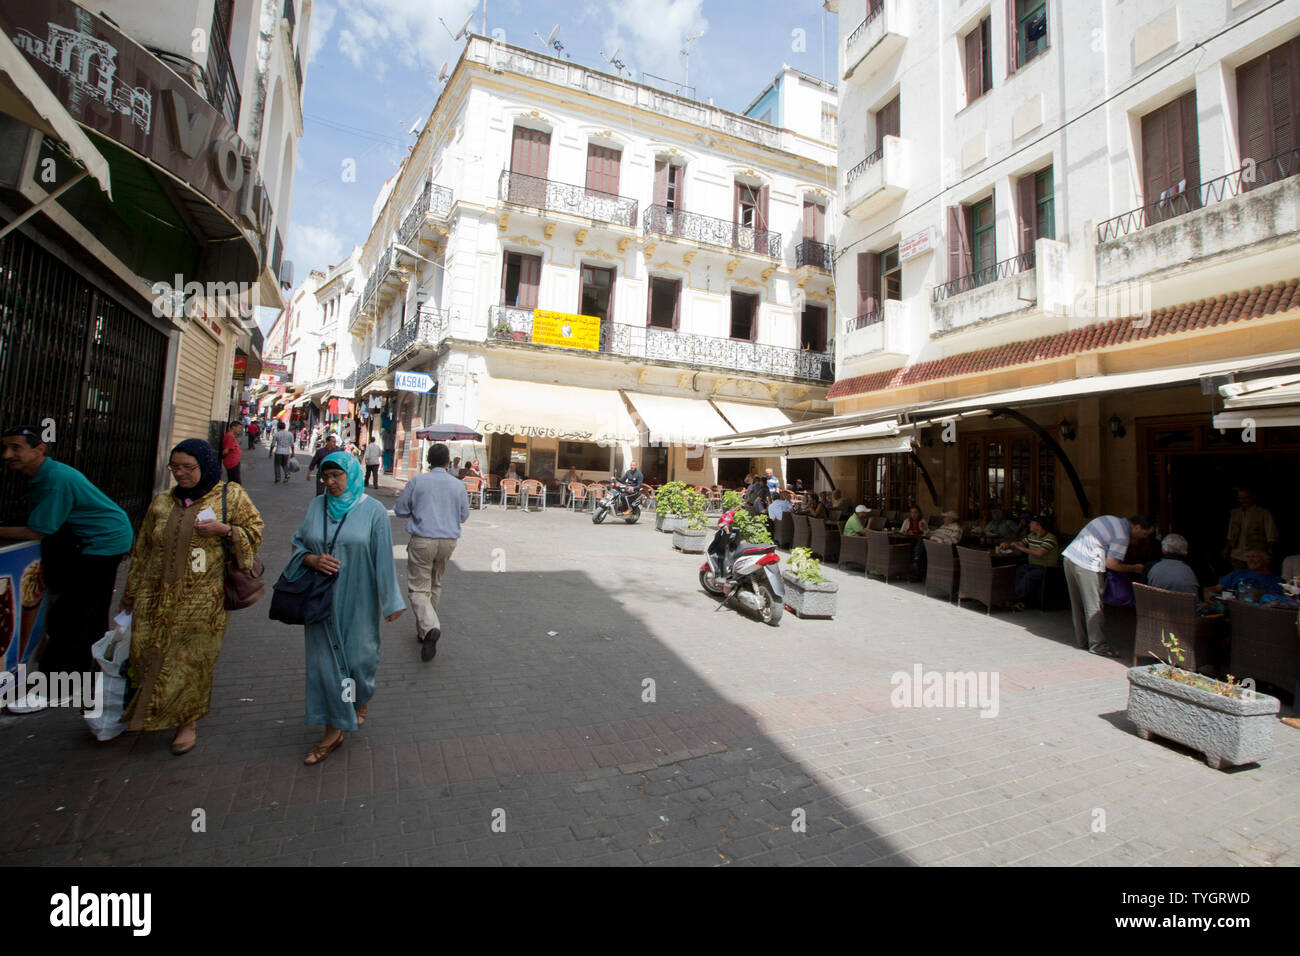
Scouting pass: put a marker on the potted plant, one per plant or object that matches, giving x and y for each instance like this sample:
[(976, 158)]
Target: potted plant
[(807, 592), (753, 528), (692, 538), (502, 330), (670, 506), (1230, 723)]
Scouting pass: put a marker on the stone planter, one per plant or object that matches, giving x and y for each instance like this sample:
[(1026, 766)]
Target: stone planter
[(690, 542), (806, 599), (1228, 730), (669, 523)]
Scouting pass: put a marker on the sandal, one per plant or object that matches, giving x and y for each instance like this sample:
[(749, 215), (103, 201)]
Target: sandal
[(321, 751), (179, 746), (1103, 650), (362, 709)]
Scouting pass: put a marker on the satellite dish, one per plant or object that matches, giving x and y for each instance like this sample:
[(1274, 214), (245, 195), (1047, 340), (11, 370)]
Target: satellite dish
[(464, 28), (554, 33), (419, 121), (443, 73)]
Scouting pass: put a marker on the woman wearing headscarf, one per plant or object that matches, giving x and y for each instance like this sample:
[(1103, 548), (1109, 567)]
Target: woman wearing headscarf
[(343, 650), (175, 594)]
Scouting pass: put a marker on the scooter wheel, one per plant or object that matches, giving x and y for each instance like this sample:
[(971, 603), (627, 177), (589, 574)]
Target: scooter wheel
[(770, 609), (634, 517), (598, 515), (709, 581)]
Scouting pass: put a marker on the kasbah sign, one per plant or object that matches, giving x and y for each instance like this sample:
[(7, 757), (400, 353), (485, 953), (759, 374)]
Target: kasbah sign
[(106, 82)]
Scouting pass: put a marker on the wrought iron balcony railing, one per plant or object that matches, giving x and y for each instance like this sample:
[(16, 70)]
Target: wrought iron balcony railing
[(1177, 202), (434, 202), (219, 77), (717, 232), (562, 197), (863, 166), (999, 270), (876, 6), (429, 327), (812, 253), (864, 320), (360, 375)]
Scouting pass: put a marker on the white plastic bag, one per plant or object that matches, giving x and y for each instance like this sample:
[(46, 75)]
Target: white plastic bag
[(294, 467), (111, 653)]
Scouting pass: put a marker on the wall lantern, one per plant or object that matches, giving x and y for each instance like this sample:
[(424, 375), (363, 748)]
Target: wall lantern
[(1066, 429), (1116, 427)]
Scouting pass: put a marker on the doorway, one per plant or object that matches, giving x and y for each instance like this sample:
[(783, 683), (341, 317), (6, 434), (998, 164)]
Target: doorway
[(597, 298)]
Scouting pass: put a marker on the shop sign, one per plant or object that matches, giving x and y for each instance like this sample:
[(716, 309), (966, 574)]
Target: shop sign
[(241, 368), (412, 382), (565, 330), (916, 245)]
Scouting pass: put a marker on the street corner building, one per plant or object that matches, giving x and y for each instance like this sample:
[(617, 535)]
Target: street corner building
[(145, 186)]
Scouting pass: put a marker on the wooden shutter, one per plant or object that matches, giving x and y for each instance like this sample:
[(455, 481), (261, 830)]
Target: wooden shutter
[(602, 169), (680, 204), (887, 121), (760, 215), (1284, 91), (959, 254), (974, 65), (1155, 155), (868, 282), (814, 221), (530, 275), (1026, 209), (530, 152), (1013, 52), (1254, 132), (1190, 143), (661, 183), (735, 217)]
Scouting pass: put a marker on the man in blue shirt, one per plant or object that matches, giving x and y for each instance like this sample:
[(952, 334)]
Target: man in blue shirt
[(84, 537), (434, 505), (1254, 575)]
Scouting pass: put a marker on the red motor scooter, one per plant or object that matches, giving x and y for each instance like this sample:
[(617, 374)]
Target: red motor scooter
[(748, 573)]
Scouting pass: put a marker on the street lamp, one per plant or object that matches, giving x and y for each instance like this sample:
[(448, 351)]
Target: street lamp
[(405, 250)]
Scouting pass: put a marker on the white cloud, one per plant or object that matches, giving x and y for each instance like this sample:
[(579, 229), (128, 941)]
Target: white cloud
[(651, 33), (315, 247), (322, 19), (405, 31)]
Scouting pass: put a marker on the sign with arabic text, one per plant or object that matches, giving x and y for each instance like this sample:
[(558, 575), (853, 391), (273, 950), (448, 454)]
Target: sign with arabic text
[(565, 330)]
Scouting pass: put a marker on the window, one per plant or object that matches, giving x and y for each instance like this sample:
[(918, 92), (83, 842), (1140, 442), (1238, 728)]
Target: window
[(530, 152), (888, 122), (979, 62), (814, 221), (891, 274), (1171, 165), (1035, 212), (888, 482), (602, 169), (597, 298), (1011, 471), (520, 278), (744, 315), (1027, 20), (746, 205), (670, 183), (583, 455), (1268, 111), (812, 328), (1044, 205), (665, 303), (983, 251), (880, 277)]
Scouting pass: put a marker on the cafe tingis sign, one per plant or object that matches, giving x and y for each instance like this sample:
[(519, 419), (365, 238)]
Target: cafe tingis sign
[(111, 85)]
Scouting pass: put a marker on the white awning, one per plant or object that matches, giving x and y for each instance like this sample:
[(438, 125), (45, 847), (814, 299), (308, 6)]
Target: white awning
[(750, 418), (535, 410), (378, 385), (668, 420), (875, 438), (1272, 402), (24, 95)]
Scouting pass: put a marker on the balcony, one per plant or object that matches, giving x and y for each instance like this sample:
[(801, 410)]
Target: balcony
[(1035, 286), (885, 334), (650, 344), (219, 78), (877, 38), (537, 193), (426, 330), (1234, 231), (878, 180), (692, 227), (815, 255), (433, 206)]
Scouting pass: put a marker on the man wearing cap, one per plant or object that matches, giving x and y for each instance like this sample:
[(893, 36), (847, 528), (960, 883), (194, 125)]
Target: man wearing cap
[(84, 537), (856, 524), (949, 532)]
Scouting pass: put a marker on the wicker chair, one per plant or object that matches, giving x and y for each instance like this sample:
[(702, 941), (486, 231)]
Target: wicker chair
[(783, 533), (474, 488), (647, 498), (824, 541), (876, 523), (530, 489), (1265, 645), (853, 550), (509, 489), (802, 532), (886, 558), (941, 568), (991, 584), (577, 496), (1161, 612)]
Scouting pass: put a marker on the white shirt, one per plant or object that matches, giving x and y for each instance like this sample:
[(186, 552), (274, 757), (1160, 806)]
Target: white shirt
[(282, 442), (1101, 538), (373, 453)]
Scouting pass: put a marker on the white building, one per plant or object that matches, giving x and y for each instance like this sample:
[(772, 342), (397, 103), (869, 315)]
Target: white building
[(595, 270)]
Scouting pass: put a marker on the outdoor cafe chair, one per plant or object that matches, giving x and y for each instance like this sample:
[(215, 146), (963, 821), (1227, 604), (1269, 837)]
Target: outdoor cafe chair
[(802, 533), (532, 489), (474, 488), (577, 496), (993, 585), (853, 550), (1161, 613), (886, 558), (824, 541), (783, 531), (509, 489), (941, 568), (876, 523), (1264, 645), (647, 498)]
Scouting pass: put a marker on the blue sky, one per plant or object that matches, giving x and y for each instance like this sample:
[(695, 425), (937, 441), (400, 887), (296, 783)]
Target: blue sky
[(373, 64)]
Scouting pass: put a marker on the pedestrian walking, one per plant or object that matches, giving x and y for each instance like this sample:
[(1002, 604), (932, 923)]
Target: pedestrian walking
[(282, 449), (84, 537), (345, 533), (230, 453), (175, 591), (253, 430), (1101, 546), (373, 458), (389, 439), (330, 447), (435, 505)]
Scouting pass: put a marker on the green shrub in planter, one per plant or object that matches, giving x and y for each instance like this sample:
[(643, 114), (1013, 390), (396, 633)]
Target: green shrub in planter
[(671, 498), (696, 503), (753, 528), (807, 592)]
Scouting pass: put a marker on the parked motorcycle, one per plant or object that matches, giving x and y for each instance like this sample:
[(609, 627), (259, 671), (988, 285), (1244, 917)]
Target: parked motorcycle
[(623, 499), (747, 573)]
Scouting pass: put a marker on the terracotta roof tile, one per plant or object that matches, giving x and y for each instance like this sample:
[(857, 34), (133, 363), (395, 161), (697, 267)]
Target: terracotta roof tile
[(1208, 312)]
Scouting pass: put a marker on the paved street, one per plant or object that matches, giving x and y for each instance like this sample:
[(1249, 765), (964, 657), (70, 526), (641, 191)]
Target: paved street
[(534, 717)]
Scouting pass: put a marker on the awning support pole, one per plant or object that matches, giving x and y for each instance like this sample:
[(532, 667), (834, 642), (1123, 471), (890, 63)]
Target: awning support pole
[(826, 473), (1060, 454), (934, 495), (51, 197)]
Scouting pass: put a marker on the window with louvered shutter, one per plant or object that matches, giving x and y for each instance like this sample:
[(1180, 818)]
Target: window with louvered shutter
[(977, 67), (602, 169), (959, 260), (868, 283), (530, 152), (887, 122), (814, 221), (1268, 112), (1171, 164), (1025, 213)]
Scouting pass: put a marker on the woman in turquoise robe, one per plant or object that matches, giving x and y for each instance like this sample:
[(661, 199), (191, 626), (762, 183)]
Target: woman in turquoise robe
[(343, 650)]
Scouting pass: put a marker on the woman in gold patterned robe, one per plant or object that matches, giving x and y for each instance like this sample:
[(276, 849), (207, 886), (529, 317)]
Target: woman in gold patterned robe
[(175, 593)]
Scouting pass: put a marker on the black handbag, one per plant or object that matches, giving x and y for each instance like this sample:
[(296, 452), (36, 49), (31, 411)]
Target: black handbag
[(310, 598)]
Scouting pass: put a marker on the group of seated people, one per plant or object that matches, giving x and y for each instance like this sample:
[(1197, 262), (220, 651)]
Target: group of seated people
[(1255, 582)]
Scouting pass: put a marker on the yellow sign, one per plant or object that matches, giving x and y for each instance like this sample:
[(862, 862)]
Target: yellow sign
[(565, 330)]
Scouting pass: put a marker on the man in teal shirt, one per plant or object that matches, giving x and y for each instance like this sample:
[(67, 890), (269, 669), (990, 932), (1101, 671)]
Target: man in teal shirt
[(83, 536)]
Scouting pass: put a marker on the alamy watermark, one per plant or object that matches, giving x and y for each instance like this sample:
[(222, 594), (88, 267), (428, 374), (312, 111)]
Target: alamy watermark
[(947, 689), (61, 688), (191, 299)]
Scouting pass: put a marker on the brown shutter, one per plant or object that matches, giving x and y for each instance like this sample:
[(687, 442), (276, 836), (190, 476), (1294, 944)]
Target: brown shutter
[(807, 220), (1013, 53), (1155, 155), (680, 205), (1190, 149), (530, 152), (1253, 132), (1025, 212), (1281, 102), (530, 275), (661, 183), (602, 169), (868, 282), (974, 65), (761, 214), (735, 212), (505, 268), (677, 305), (814, 221), (959, 255)]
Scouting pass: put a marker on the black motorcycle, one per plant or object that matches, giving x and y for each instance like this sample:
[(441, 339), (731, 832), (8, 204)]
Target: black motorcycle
[(623, 499)]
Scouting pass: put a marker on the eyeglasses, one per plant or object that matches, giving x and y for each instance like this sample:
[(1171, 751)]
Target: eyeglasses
[(182, 468)]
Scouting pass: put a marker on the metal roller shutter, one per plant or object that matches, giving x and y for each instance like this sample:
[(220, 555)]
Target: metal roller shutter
[(196, 384)]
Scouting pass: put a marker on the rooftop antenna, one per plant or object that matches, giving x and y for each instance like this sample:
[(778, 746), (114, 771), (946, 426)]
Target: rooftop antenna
[(462, 32), (686, 54), (551, 43), (419, 121), (614, 61)]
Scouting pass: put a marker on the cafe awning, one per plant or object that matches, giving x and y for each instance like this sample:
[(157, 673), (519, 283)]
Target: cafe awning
[(668, 420), (1266, 402), (537, 410), (748, 418), (830, 441)]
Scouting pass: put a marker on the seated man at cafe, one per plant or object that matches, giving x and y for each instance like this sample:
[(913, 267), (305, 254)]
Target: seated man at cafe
[(999, 527), (1254, 575), (1172, 572), (1044, 552), (780, 506), (797, 486), (950, 532), (856, 524)]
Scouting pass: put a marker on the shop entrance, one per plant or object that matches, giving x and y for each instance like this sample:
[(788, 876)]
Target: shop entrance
[(654, 464)]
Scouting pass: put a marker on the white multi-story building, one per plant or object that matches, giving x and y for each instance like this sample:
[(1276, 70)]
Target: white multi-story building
[(1063, 221), (595, 271)]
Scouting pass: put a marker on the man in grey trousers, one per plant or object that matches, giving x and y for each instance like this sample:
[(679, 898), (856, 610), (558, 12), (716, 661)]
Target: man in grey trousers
[(1101, 546), (434, 505)]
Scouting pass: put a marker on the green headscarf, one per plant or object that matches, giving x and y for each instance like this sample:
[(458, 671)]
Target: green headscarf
[(340, 505)]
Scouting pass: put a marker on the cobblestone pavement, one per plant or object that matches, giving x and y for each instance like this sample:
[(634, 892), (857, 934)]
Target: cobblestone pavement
[(761, 746)]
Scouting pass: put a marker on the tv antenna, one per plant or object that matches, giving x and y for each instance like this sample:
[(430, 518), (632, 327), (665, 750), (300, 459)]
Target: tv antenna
[(686, 55), (419, 121), (551, 43), (614, 61), (462, 32)]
